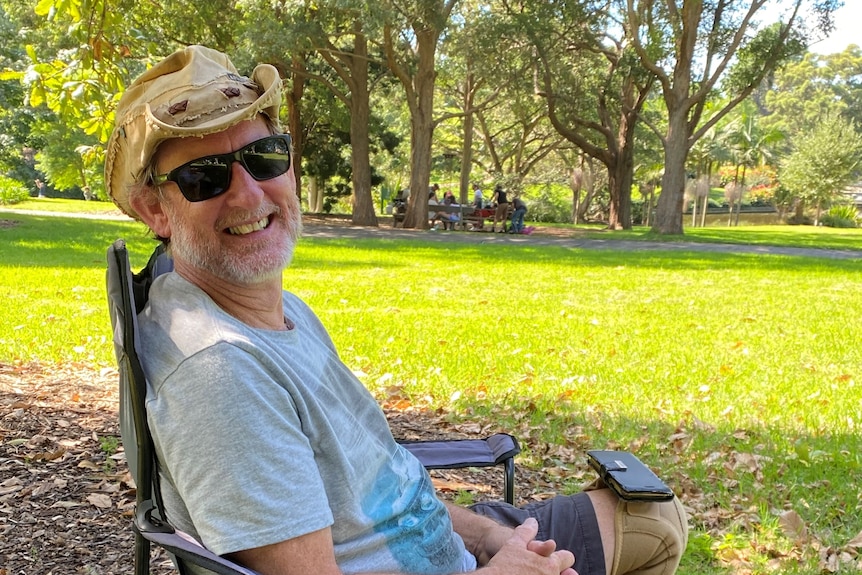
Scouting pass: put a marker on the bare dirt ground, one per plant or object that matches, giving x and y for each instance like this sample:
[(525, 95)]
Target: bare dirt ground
[(66, 496)]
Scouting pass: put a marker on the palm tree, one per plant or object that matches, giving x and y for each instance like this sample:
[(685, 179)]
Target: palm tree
[(752, 148), (710, 151)]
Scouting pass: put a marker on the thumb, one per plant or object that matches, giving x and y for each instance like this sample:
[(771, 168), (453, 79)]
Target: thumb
[(527, 530)]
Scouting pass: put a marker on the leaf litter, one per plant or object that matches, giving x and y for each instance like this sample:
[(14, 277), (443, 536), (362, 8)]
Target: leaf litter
[(66, 499)]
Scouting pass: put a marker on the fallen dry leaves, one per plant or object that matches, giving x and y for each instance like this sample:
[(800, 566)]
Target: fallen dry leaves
[(65, 502), (66, 498)]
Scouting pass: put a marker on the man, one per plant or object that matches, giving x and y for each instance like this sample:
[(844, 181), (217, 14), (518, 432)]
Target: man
[(478, 197), (272, 452), (520, 210)]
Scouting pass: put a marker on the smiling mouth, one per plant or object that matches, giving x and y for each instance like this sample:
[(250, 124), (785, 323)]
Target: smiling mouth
[(244, 229)]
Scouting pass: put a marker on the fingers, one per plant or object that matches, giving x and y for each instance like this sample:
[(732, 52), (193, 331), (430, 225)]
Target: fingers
[(565, 560), (543, 548), (527, 532)]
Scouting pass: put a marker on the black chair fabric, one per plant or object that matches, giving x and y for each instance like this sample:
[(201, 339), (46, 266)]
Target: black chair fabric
[(127, 295)]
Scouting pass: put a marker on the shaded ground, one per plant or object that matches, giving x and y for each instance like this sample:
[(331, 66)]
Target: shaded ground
[(66, 497), (339, 226), (336, 227)]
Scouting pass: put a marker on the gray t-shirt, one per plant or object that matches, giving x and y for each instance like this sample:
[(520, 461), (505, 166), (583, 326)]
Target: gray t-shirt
[(266, 435)]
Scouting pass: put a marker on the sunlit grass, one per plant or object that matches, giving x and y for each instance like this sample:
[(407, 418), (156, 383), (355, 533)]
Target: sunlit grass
[(735, 375), (65, 205), (773, 235)]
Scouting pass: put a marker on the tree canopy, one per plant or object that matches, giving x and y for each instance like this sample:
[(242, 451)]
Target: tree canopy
[(396, 92)]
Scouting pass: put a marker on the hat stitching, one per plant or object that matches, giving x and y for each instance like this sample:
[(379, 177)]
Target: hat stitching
[(178, 107)]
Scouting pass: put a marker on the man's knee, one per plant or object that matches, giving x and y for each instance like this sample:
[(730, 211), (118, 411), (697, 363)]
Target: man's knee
[(650, 537)]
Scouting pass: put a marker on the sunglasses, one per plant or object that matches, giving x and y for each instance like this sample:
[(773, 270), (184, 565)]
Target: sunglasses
[(207, 177)]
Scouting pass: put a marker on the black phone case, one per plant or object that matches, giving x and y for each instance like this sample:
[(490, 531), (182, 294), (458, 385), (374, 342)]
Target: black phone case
[(628, 476)]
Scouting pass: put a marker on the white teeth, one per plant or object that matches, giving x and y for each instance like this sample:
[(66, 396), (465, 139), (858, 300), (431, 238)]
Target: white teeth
[(249, 228)]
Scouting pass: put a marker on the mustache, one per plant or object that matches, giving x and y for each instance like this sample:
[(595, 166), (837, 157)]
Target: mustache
[(241, 216)]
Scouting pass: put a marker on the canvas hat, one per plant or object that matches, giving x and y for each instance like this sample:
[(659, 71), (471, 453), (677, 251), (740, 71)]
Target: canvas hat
[(193, 92)]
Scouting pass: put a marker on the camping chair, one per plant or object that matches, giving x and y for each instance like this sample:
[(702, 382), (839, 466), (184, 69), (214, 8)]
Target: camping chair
[(127, 294)]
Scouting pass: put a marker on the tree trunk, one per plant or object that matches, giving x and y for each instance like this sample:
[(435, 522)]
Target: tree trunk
[(706, 197), (315, 198), (467, 141), (620, 189), (621, 175), (590, 191), (577, 184), (294, 118), (422, 130), (741, 193), (364, 213), (800, 211), (650, 193), (668, 215)]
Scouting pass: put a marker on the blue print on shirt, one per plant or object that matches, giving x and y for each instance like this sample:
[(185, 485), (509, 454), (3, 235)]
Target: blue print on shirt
[(420, 536)]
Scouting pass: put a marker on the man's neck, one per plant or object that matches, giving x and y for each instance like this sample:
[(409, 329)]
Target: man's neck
[(257, 305)]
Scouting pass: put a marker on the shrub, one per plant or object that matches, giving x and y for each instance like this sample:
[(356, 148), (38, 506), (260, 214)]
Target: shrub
[(12, 191), (841, 216), (549, 203)]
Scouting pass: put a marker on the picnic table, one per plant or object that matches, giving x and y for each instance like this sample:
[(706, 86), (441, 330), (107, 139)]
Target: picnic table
[(467, 215)]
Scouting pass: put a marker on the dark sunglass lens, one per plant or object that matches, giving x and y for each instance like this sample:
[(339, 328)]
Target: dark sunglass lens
[(203, 179), (267, 158)]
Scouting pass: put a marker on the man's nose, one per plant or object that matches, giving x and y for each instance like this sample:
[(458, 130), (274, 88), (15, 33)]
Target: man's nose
[(244, 189)]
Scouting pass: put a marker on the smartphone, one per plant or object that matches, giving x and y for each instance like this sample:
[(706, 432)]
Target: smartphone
[(628, 477)]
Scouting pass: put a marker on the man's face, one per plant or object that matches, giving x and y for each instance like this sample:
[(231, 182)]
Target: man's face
[(244, 236)]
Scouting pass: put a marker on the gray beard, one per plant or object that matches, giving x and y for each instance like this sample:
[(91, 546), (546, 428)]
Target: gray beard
[(239, 270)]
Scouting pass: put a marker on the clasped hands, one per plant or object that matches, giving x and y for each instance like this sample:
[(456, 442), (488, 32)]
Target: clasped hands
[(522, 554)]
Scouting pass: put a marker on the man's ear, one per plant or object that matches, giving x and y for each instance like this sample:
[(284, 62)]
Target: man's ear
[(152, 212)]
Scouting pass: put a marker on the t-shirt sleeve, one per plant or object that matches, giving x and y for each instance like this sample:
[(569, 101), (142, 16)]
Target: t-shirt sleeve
[(237, 452)]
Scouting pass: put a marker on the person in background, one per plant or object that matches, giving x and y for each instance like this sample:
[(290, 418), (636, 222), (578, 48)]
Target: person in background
[(520, 210), (272, 453), (452, 217), (433, 215), (501, 211), (478, 197), (40, 188)]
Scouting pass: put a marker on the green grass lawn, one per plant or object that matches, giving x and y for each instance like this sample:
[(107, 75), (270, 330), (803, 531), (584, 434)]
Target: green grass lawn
[(69, 206), (771, 235), (736, 376)]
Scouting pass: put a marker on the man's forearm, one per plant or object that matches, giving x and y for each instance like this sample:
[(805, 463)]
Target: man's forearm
[(483, 537)]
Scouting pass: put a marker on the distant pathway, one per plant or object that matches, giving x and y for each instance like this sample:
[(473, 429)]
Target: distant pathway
[(317, 229)]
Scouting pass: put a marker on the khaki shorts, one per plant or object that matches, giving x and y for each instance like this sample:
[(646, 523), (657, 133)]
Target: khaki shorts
[(501, 212), (650, 537)]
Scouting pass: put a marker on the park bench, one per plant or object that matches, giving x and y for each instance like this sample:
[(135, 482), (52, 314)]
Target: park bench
[(463, 211)]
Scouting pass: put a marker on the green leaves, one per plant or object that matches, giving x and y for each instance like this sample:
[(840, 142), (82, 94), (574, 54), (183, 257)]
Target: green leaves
[(824, 161)]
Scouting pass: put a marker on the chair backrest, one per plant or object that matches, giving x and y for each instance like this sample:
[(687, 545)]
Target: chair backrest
[(127, 295)]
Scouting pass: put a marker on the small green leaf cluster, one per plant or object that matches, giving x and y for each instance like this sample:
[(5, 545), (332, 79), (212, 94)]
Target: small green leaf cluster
[(841, 216), (12, 191)]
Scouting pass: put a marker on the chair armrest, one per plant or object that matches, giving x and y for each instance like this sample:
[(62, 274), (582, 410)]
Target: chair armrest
[(187, 550), (497, 449)]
